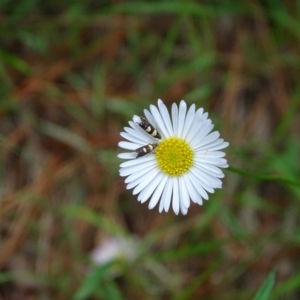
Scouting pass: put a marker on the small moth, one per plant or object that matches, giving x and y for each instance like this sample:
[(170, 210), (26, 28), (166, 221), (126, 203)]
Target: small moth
[(149, 128), (145, 150)]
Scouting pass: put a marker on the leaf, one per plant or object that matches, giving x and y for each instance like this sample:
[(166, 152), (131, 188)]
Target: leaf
[(92, 282), (266, 289)]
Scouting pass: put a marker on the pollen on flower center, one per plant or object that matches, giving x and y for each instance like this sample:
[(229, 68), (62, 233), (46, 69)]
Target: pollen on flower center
[(174, 156)]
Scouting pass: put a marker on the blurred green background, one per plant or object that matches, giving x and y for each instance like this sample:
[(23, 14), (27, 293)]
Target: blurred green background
[(72, 74)]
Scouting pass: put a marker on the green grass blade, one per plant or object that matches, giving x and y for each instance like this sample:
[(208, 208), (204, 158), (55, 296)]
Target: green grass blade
[(266, 289)]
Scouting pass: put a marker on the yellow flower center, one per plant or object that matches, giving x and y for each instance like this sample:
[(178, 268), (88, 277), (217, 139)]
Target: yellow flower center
[(174, 156)]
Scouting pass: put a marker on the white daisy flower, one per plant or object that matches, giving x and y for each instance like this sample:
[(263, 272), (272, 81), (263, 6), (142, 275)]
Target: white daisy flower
[(173, 159)]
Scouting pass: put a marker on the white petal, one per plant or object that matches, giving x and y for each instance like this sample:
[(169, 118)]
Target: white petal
[(136, 119), (211, 169), (148, 137), (181, 117), (204, 116), (139, 173), (188, 121), (208, 139), (199, 131), (201, 117), (137, 133), (183, 209), (215, 161), (133, 139), (128, 145), (198, 185), (130, 170), (213, 144), (224, 166), (184, 195), (133, 183), (156, 195), (151, 187), (199, 113), (175, 118), (150, 118), (146, 182), (216, 145), (208, 153), (204, 185), (175, 200), (201, 134), (166, 117), (137, 161), (194, 195), (196, 127), (167, 194), (160, 123), (208, 178), (128, 155)]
